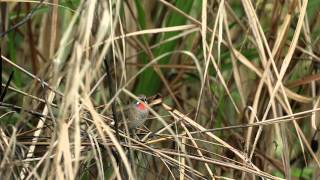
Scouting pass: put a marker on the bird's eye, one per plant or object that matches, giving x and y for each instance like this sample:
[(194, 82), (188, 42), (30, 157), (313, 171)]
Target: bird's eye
[(143, 99)]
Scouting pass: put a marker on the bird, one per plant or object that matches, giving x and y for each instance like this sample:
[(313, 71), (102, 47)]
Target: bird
[(135, 114)]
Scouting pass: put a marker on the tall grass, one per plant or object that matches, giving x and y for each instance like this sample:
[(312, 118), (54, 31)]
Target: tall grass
[(232, 86)]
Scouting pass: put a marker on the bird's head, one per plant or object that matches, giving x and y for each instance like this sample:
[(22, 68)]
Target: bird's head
[(141, 105)]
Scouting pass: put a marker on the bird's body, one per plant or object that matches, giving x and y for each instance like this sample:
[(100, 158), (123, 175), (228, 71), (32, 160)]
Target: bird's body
[(135, 114)]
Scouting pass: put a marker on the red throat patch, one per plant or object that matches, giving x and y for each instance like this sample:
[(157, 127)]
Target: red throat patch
[(141, 106)]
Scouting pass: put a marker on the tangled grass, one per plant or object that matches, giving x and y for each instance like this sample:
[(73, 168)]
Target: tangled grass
[(232, 86)]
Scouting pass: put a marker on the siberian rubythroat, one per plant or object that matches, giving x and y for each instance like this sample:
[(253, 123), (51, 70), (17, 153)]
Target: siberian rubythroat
[(135, 114)]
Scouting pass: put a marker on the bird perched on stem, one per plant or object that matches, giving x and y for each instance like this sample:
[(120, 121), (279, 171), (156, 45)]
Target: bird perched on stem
[(135, 114)]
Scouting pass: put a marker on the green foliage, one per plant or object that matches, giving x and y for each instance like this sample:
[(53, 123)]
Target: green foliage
[(305, 173), (14, 40), (149, 82), (313, 8)]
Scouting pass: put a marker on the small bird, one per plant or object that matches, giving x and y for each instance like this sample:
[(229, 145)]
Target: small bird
[(135, 114)]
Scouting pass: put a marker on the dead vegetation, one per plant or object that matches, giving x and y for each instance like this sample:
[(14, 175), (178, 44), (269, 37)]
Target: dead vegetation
[(232, 87)]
